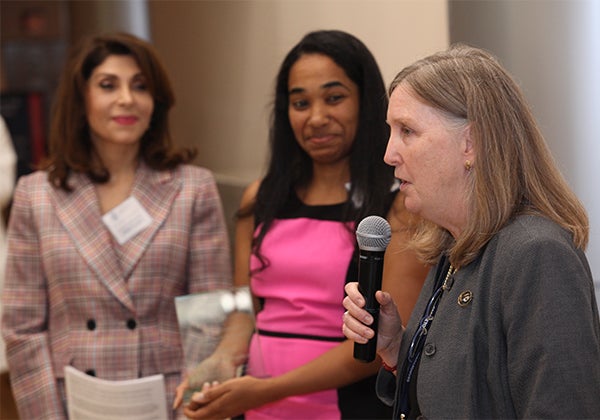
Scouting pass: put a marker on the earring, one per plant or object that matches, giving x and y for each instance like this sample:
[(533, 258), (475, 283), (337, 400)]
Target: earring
[(468, 165)]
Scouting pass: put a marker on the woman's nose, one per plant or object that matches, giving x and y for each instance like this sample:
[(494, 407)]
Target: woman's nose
[(125, 95), (319, 115), (391, 156)]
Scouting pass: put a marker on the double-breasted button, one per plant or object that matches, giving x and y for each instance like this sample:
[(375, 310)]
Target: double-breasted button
[(131, 324), (91, 324), (91, 372), (429, 349)]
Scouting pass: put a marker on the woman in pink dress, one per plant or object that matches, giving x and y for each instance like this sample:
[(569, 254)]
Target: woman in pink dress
[(296, 244)]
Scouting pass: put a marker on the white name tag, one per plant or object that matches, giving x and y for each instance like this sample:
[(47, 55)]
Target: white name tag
[(127, 220)]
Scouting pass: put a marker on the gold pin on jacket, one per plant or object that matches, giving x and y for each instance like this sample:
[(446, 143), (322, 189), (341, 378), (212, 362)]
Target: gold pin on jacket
[(465, 298)]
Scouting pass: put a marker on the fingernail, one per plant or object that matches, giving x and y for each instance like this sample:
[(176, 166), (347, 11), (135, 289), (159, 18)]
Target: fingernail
[(198, 397)]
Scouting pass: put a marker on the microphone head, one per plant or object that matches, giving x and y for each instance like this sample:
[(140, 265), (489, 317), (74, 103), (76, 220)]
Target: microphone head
[(373, 233)]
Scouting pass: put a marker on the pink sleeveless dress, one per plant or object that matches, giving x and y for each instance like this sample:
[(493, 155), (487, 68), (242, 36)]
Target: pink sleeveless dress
[(309, 253)]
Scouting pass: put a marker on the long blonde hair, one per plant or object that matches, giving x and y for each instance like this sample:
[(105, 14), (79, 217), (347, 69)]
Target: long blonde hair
[(514, 172)]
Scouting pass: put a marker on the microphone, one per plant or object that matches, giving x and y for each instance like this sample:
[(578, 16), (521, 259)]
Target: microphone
[(373, 236)]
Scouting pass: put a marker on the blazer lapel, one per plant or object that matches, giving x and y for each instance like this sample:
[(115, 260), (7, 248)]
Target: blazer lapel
[(156, 192), (79, 212)]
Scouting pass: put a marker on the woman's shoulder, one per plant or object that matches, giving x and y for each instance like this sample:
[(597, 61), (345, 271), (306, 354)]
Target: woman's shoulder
[(32, 186), (191, 176), (34, 179), (194, 171), (250, 192), (534, 239), (529, 228)]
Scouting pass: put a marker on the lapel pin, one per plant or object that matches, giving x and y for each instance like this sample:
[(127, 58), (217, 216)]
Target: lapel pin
[(465, 298)]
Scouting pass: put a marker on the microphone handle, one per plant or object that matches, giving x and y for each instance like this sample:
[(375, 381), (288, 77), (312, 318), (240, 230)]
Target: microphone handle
[(367, 352), (370, 274)]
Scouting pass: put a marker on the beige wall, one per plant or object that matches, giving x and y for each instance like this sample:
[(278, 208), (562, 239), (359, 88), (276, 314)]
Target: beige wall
[(223, 57)]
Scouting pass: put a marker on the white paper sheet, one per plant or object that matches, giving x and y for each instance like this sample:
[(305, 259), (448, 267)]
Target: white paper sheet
[(90, 398)]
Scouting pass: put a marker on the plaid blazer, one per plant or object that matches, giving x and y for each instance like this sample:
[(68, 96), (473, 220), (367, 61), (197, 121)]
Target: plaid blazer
[(73, 297)]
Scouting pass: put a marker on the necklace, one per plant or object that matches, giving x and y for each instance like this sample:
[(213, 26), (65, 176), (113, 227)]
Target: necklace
[(449, 280)]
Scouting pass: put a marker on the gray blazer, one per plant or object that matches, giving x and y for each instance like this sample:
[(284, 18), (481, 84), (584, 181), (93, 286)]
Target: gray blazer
[(527, 343)]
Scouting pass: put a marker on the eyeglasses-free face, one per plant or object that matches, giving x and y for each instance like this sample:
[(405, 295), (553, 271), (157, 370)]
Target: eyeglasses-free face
[(323, 108), (119, 105)]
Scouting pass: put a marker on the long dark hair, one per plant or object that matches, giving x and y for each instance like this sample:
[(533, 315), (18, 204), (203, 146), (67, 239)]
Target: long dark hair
[(290, 167), (70, 145)]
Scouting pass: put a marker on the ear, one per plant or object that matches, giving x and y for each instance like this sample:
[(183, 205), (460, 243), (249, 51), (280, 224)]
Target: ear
[(467, 144)]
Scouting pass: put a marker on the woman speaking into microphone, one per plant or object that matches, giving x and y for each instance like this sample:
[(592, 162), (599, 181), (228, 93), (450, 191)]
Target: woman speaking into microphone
[(506, 325)]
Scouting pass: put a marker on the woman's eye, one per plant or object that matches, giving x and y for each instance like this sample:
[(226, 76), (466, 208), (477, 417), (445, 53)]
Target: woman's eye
[(406, 131), (299, 104), (106, 85), (140, 86), (332, 99)]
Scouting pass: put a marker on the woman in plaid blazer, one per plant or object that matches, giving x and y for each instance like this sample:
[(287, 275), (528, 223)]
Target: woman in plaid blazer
[(102, 240)]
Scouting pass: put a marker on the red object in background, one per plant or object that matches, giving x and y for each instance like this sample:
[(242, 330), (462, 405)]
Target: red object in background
[(36, 127), (24, 113)]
